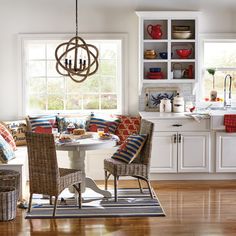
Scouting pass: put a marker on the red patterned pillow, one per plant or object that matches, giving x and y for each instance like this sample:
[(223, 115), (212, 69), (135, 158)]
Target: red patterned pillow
[(7, 136), (128, 125)]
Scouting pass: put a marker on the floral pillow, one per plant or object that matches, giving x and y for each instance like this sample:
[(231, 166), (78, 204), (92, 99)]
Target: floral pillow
[(5, 133)]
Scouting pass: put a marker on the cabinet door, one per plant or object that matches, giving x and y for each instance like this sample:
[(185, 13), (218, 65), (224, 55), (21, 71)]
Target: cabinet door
[(225, 152), (193, 151), (164, 152)]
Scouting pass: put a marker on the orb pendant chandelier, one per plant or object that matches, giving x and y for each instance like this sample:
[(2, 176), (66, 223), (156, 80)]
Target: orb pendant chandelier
[(76, 58)]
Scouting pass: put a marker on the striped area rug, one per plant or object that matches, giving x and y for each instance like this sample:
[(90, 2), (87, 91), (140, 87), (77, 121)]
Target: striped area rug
[(131, 203)]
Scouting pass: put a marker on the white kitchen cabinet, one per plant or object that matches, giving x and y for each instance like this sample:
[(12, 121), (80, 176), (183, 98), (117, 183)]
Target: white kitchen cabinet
[(225, 152), (164, 153), (193, 152), (169, 43), (174, 152)]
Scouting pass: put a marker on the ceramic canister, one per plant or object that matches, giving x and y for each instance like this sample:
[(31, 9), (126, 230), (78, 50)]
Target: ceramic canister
[(178, 104), (165, 105)]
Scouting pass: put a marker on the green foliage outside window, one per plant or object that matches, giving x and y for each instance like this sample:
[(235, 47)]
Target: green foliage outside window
[(49, 91)]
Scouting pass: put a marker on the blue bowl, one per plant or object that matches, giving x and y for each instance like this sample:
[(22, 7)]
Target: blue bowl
[(163, 55), (155, 69)]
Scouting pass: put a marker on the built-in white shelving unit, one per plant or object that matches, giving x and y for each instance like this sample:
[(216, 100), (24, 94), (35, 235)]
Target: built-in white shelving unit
[(169, 21)]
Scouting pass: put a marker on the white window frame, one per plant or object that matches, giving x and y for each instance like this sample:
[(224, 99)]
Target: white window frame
[(213, 37), (65, 37)]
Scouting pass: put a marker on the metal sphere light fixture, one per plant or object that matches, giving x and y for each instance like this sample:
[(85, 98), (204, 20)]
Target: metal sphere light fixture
[(78, 59)]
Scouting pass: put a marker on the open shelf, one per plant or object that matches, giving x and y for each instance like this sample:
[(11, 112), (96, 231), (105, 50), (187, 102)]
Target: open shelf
[(179, 30)]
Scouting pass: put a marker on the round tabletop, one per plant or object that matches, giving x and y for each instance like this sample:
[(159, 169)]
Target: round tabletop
[(91, 143)]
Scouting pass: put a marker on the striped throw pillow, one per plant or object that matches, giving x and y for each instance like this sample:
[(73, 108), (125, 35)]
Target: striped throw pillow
[(45, 122), (6, 151), (108, 126), (130, 149)]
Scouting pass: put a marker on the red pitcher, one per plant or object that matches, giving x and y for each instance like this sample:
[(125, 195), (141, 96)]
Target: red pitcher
[(154, 31)]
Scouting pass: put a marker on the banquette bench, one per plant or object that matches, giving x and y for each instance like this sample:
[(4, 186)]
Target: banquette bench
[(121, 125)]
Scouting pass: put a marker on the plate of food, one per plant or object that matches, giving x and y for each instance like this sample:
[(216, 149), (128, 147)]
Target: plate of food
[(65, 139), (81, 134)]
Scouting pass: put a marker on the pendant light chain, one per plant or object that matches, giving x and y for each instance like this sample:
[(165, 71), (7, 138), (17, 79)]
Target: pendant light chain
[(76, 18), (76, 58)]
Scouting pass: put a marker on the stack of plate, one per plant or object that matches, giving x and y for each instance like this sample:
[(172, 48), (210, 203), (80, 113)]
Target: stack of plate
[(155, 75), (181, 32)]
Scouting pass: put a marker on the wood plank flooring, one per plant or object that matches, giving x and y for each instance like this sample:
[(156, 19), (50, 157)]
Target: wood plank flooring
[(193, 208)]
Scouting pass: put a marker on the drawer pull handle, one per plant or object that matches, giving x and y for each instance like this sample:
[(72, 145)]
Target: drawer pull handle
[(175, 138), (180, 138), (176, 125)]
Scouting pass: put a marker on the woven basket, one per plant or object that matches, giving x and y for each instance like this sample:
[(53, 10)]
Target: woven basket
[(8, 201), (10, 178)]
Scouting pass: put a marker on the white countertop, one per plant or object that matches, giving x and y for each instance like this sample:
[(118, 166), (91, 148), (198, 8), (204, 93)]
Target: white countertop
[(163, 115), (216, 117)]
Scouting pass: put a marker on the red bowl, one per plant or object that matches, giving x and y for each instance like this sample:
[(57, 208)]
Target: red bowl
[(183, 53)]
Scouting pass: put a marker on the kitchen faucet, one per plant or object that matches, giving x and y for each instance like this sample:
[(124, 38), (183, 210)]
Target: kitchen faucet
[(230, 85)]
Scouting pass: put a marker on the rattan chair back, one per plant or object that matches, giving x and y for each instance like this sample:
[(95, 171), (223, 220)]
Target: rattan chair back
[(145, 154), (44, 174)]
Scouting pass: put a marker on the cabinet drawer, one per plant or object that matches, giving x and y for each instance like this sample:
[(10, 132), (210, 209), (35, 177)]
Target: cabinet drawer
[(182, 125)]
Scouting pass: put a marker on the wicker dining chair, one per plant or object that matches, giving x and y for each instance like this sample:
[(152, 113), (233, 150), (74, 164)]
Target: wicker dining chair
[(44, 175), (139, 168)]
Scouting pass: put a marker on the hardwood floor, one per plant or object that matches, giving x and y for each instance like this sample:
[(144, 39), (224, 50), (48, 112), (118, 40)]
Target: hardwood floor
[(193, 208)]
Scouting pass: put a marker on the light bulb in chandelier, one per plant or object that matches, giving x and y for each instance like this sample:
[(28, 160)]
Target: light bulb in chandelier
[(78, 59)]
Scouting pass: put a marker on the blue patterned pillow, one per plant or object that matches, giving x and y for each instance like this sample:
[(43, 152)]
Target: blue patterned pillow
[(130, 149), (47, 121), (6, 151), (78, 122)]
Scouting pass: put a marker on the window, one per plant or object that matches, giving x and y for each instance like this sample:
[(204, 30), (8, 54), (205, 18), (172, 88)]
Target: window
[(218, 53), (46, 91)]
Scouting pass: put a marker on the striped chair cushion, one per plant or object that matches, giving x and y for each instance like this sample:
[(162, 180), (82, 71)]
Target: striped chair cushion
[(6, 151), (108, 126), (130, 149), (5, 133), (45, 122)]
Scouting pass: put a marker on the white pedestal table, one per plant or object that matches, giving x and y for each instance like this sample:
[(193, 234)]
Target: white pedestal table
[(77, 153)]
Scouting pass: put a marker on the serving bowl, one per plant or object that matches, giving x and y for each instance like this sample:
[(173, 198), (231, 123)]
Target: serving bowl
[(182, 34), (183, 53)]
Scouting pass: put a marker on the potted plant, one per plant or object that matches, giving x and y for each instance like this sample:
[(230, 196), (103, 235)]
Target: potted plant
[(213, 93)]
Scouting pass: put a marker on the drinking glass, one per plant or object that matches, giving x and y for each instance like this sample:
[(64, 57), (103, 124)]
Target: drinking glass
[(100, 131)]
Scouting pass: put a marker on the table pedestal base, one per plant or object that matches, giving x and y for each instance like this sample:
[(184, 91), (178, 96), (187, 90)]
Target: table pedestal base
[(77, 159), (89, 183)]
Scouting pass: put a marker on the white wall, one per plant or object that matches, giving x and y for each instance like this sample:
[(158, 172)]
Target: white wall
[(57, 16)]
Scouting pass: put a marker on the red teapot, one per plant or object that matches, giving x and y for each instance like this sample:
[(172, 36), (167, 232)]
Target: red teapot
[(154, 31)]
